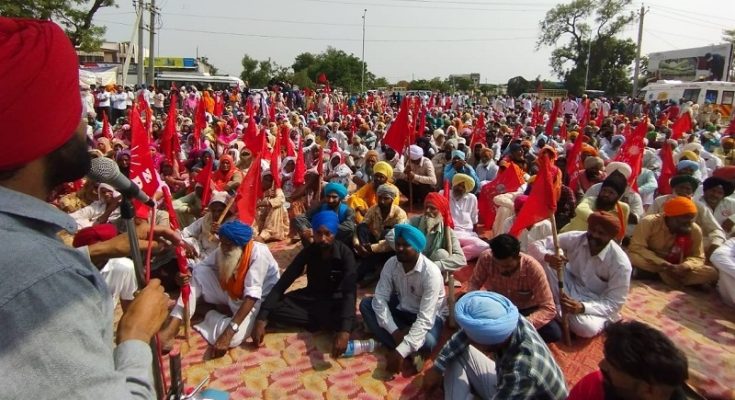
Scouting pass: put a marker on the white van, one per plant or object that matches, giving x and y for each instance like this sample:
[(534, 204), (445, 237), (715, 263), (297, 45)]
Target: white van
[(720, 94)]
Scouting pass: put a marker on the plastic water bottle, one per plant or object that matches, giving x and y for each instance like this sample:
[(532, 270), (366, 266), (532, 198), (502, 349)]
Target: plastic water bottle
[(355, 347)]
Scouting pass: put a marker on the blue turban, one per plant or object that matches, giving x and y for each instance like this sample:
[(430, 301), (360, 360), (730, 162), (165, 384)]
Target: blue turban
[(338, 188), (458, 154), (687, 164), (236, 232), (486, 317), (412, 235), (327, 219)]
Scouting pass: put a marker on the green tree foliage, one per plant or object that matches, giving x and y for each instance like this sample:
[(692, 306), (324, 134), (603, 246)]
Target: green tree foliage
[(573, 29), (74, 15), (518, 85), (343, 70), (258, 73)]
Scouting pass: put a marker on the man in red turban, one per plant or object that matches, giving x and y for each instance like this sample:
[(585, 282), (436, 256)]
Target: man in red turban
[(57, 313)]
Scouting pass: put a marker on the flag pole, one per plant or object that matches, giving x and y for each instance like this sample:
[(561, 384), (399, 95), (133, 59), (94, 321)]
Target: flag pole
[(224, 214), (560, 278)]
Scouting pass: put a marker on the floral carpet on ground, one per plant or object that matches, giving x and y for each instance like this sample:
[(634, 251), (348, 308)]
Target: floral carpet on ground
[(297, 365)]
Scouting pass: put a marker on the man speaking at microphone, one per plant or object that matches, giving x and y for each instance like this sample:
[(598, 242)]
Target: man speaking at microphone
[(56, 339)]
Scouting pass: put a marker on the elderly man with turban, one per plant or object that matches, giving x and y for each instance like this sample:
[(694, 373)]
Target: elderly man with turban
[(407, 311), (328, 300), (686, 186), (523, 367), (596, 273), (459, 166), (608, 199), (364, 173), (716, 197), (238, 275), (670, 244), (366, 196), (487, 168), (418, 173), (463, 207), (442, 244), (332, 200)]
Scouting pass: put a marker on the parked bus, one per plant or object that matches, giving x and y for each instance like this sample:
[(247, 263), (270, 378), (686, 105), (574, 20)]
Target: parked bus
[(719, 94), (216, 82)]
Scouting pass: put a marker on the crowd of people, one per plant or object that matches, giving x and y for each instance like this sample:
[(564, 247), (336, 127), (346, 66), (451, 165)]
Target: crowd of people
[(636, 197)]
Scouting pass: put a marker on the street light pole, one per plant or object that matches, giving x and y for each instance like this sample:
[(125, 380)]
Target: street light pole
[(589, 55), (362, 77)]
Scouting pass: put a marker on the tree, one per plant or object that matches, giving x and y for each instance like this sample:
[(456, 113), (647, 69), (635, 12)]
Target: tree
[(258, 73), (343, 70), (609, 56), (74, 15)]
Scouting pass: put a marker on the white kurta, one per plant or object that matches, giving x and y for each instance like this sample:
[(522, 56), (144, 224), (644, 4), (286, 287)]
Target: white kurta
[(724, 260), (540, 230)]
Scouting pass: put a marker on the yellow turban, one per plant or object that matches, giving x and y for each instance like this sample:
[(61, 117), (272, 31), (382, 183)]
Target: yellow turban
[(467, 180), (383, 168), (688, 155), (679, 206)]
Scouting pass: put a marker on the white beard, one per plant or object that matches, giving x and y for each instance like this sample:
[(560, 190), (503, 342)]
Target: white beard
[(432, 222), (227, 263)]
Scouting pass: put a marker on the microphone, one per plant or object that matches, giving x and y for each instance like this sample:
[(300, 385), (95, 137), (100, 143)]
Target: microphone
[(104, 170)]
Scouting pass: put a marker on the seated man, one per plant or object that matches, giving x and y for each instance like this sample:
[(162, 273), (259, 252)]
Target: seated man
[(370, 236), (459, 166), (596, 277), (407, 312), (333, 200), (366, 196), (504, 269), (106, 209), (271, 221), (724, 260), (608, 200), (463, 206), (640, 363), (328, 300), (670, 244), (442, 245), (523, 366), (238, 275), (716, 197), (201, 235), (188, 208), (538, 231), (418, 174)]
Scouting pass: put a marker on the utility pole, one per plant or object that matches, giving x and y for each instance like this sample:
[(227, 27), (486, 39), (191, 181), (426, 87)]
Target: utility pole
[(589, 56), (151, 42), (139, 51), (638, 52), (362, 77)]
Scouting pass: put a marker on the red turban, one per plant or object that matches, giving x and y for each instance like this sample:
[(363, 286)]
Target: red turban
[(442, 204), (39, 70), (94, 234), (608, 221)]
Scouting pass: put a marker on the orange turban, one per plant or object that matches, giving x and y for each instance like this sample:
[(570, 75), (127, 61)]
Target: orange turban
[(679, 206), (608, 221), (39, 67)]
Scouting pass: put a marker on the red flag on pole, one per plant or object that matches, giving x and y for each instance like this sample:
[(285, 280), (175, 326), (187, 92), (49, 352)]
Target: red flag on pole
[(106, 130), (275, 162), (479, 134), (251, 132), (399, 130), (219, 105), (563, 131), (142, 171), (508, 180), (632, 151), (552, 119), (200, 123), (681, 126), (668, 169), (272, 113), (170, 137), (204, 178), (573, 156), (180, 253), (250, 189), (585, 114), (299, 175), (541, 203), (431, 101)]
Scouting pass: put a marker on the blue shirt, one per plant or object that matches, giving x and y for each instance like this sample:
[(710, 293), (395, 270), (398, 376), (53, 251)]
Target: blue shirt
[(56, 338), (450, 171)]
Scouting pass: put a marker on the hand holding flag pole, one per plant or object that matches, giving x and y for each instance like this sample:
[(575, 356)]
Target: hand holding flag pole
[(560, 278)]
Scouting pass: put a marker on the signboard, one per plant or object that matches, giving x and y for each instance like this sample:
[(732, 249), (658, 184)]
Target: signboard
[(173, 62), (709, 63)]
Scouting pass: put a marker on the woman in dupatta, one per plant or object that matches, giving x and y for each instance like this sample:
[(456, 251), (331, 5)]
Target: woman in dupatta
[(227, 178), (338, 171), (271, 220)]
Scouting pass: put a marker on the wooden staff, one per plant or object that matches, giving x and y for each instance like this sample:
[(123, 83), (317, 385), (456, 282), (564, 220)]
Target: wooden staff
[(450, 281), (560, 279), (223, 215)]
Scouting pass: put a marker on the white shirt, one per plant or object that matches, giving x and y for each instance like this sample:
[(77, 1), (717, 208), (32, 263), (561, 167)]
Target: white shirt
[(487, 172), (119, 101), (724, 260), (262, 274), (540, 230), (158, 100), (600, 282), (104, 99), (87, 216), (569, 107), (464, 212), (420, 291), (724, 211)]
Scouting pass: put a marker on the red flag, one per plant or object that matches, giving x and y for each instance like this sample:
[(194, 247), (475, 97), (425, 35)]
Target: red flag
[(286, 140), (535, 117), (205, 179), (573, 156), (299, 174), (431, 101), (681, 126), (517, 131), (251, 132), (730, 130), (509, 180), (632, 151), (563, 131), (106, 130), (180, 253), (276, 162), (322, 78), (422, 123), (200, 123), (541, 203), (170, 137), (668, 169), (272, 113), (320, 165), (399, 130), (446, 189), (585, 114), (479, 134), (250, 189), (552, 119), (219, 105), (599, 119), (142, 171)]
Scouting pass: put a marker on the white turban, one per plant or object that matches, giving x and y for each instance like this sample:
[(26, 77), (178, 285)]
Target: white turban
[(415, 152)]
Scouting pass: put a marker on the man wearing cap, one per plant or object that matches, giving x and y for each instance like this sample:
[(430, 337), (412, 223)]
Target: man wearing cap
[(202, 234), (670, 244), (596, 273), (407, 311), (333, 200), (417, 173), (366, 196), (459, 166), (436, 223), (463, 207), (523, 367), (57, 311), (716, 198), (328, 300), (686, 186), (612, 188), (239, 275)]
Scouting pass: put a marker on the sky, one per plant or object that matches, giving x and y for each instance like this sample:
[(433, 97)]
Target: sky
[(404, 39)]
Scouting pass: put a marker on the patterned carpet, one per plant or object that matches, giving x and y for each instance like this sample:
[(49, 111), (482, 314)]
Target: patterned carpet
[(297, 365)]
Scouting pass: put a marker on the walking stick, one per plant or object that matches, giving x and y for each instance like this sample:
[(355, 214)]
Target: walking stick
[(223, 215), (450, 282), (560, 279)]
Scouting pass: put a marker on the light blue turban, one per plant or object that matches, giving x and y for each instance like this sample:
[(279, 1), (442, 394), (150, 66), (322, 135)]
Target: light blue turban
[(338, 188), (687, 164), (458, 154), (327, 219), (412, 235), (236, 232), (486, 317)]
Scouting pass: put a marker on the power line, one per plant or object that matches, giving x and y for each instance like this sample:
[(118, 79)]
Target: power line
[(688, 13), (680, 35), (687, 19), (393, 5), (648, 31)]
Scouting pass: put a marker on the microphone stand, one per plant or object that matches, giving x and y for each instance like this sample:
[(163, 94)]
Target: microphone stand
[(127, 213)]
